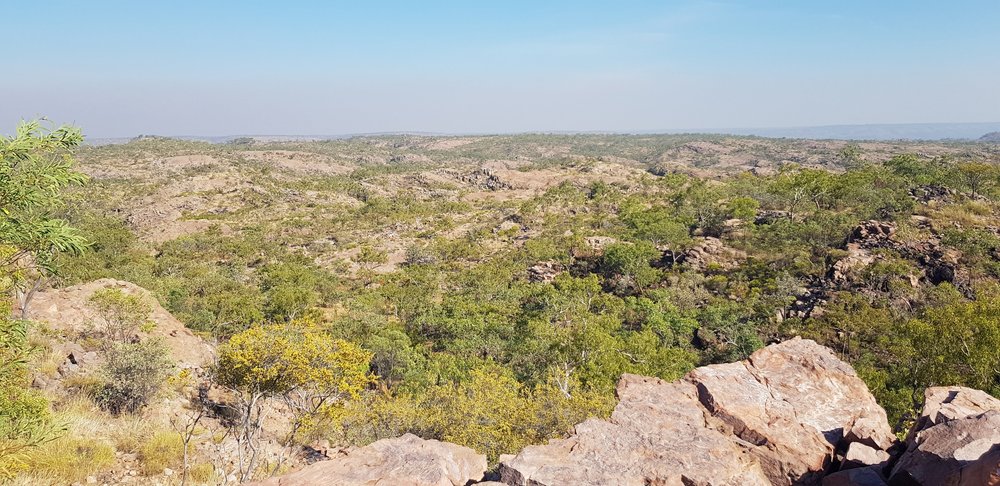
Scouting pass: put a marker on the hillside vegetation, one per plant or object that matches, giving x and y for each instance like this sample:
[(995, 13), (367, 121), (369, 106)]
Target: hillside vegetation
[(486, 291)]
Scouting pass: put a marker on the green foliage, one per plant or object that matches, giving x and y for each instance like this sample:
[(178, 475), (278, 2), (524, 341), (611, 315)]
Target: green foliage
[(631, 264), (979, 177), (743, 207), (956, 342), (123, 314), (34, 167), (131, 375), (290, 289), (491, 412), (114, 252), (658, 226), (25, 420)]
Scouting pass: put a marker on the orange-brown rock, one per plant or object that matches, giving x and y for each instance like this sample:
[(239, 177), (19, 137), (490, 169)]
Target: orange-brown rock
[(956, 440), (776, 418), (656, 435), (403, 461)]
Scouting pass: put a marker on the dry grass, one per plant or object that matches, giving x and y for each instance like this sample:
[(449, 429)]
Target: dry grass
[(93, 437), (202, 473), (67, 460), (162, 450)]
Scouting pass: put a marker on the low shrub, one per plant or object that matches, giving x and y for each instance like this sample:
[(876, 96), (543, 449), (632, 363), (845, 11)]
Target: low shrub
[(131, 375)]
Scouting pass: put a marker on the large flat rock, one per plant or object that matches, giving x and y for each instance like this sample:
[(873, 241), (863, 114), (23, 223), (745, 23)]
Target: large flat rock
[(404, 461), (656, 435), (777, 418), (796, 403)]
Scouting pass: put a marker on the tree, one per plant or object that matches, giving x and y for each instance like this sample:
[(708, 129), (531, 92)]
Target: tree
[(297, 363), (370, 258), (25, 420), (851, 154), (35, 165), (290, 289), (630, 262), (797, 185), (978, 176), (658, 226), (744, 208), (123, 314)]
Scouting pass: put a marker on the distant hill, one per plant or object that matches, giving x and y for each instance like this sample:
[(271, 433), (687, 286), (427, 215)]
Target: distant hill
[(990, 137), (905, 131), (875, 132)]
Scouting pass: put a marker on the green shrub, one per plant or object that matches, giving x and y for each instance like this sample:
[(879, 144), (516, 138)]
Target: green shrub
[(131, 375)]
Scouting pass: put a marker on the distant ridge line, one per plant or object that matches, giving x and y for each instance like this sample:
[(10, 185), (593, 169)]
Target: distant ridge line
[(870, 132)]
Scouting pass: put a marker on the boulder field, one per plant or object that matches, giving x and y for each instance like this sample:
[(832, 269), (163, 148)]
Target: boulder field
[(791, 414)]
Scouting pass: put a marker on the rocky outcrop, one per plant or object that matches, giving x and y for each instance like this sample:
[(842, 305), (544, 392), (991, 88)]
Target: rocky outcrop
[(791, 414), (486, 178), (69, 311), (711, 253), (658, 434), (936, 263), (844, 271), (545, 271), (932, 194), (407, 460), (990, 137), (945, 403), (956, 441), (778, 418), (780, 400)]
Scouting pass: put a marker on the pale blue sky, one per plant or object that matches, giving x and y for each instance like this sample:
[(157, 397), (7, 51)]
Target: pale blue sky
[(120, 68)]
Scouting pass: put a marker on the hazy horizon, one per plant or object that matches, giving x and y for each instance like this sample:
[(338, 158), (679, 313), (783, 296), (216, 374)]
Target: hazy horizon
[(120, 69), (874, 132)]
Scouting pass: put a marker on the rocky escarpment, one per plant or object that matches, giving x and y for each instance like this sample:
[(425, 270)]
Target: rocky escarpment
[(792, 414)]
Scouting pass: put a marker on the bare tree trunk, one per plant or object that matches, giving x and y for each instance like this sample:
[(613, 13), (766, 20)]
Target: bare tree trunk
[(186, 430), (24, 296)]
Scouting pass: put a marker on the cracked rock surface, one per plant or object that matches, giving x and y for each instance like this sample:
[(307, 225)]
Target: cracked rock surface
[(779, 418)]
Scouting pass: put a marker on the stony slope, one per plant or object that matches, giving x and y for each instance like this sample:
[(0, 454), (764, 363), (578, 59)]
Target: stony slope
[(792, 414), (68, 310)]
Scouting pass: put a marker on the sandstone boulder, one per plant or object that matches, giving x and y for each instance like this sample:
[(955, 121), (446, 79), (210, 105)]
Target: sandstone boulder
[(656, 435), (956, 440), (777, 418), (872, 233), (855, 477), (407, 460), (796, 403), (845, 270), (942, 404), (944, 454), (859, 455), (545, 271)]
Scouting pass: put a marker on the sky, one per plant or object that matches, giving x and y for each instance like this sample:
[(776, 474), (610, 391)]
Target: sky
[(212, 68)]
